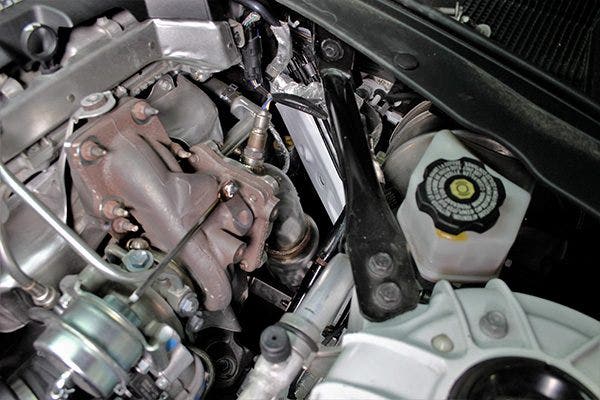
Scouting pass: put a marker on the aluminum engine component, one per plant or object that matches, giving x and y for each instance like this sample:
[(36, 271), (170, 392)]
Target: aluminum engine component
[(186, 112), (295, 238), (268, 379), (320, 164), (140, 173), (117, 343), (53, 98), (93, 343), (424, 353), (284, 50)]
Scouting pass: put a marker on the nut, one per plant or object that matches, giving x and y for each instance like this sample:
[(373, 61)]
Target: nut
[(121, 225), (91, 151), (113, 209), (142, 112)]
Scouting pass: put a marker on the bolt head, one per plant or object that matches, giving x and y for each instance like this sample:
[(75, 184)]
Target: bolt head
[(195, 323), (332, 50), (380, 264), (494, 324), (189, 305), (388, 295), (138, 244), (442, 343), (136, 260), (162, 383), (93, 101)]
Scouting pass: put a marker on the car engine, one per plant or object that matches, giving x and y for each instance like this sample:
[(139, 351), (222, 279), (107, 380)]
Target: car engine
[(234, 199)]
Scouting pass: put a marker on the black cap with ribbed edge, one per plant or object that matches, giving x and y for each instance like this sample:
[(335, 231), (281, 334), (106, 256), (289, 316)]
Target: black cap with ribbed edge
[(460, 195), (275, 344)]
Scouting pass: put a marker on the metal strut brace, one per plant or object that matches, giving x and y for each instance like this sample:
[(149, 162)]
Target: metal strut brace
[(384, 278)]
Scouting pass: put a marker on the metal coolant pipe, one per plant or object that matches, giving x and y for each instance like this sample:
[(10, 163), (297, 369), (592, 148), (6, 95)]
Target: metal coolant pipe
[(268, 379), (112, 272)]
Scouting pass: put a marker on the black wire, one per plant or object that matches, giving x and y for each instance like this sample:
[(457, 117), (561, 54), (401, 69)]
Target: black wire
[(260, 9), (339, 327), (300, 103)]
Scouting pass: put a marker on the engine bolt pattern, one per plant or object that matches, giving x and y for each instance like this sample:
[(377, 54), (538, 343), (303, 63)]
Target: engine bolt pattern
[(188, 305), (93, 101), (380, 265), (138, 260), (388, 295)]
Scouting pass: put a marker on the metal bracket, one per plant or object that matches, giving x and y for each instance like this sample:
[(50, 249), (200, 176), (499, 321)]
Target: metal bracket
[(384, 278)]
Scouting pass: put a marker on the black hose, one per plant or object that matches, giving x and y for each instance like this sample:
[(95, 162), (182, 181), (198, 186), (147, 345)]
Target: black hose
[(260, 8), (299, 103)]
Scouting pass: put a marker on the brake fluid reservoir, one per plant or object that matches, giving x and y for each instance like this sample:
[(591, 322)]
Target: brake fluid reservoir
[(459, 216)]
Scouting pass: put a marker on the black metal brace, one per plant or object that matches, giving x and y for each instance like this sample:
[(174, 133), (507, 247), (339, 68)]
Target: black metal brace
[(384, 278)]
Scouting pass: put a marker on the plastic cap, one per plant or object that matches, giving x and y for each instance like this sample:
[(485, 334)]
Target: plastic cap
[(275, 344)]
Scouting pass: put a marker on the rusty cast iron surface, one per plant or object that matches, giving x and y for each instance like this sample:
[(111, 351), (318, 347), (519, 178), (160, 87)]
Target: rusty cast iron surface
[(125, 170)]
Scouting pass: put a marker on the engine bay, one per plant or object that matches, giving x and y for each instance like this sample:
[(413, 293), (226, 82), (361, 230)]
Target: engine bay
[(227, 200)]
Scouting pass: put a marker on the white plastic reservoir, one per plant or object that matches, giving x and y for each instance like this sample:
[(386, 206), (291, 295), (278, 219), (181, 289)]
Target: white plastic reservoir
[(459, 216)]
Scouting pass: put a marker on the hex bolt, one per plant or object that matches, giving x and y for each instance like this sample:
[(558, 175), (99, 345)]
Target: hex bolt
[(195, 323), (162, 383), (388, 295), (165, 85), (91, 151), (380, 265), (143, 366), (188, 305), (494, 324), (121, 225), (332, 50), (93, 101), (138, 257), (142, 111), (442, 343), (136, 260)]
